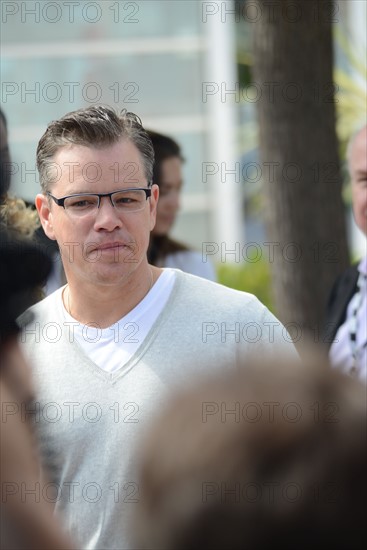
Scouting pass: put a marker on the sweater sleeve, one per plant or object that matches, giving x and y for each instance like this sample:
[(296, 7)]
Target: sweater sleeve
[(266, 338)]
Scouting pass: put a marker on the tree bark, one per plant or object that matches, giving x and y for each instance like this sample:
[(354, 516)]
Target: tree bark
[(293, 63)]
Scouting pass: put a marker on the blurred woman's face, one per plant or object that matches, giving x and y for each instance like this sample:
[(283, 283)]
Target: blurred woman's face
[(169, 195)]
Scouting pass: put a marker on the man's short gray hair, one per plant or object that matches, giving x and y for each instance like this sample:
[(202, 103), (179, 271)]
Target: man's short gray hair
[(96, 126)]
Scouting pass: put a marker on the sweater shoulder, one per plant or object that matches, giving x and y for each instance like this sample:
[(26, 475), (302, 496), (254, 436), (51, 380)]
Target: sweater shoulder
[(46, 309), (198, 291)]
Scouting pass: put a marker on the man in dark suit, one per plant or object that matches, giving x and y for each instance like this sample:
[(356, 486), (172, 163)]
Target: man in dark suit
[(345, 328)]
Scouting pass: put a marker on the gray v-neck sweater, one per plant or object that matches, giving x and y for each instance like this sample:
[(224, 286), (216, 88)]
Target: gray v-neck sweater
[(90, 420)]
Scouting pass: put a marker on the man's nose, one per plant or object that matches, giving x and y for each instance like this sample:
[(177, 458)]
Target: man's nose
[(107, 217)]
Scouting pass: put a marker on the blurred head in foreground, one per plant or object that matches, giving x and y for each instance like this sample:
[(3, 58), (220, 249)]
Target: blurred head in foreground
[(26, 522), (276, 453)]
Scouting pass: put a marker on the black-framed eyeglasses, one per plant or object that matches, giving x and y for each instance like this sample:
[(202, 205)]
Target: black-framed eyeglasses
[(126, 200)]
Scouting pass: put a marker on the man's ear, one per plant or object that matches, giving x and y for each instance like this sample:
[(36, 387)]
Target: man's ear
[(153, 205), (45, 214)]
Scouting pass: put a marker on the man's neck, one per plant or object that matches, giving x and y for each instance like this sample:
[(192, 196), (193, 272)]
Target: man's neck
[(104, 305)]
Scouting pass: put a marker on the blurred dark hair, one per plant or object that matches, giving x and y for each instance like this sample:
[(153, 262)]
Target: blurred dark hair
[(161, 246), (164, 148), (3, 117), (24, 267)]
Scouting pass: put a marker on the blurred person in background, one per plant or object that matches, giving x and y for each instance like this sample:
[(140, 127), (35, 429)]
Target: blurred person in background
[(14, 212), (21, 216), (167, 174), (346, 317), (274, 454), (26, 513), (4, 158), (19, 219)]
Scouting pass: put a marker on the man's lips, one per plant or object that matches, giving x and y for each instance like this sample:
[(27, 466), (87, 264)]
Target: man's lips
[(111, 246)]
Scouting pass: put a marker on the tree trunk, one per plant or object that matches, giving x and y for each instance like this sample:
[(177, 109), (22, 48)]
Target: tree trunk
[(293, 62)]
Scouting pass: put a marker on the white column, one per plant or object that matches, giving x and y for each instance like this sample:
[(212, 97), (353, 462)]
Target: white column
[(220, 95)]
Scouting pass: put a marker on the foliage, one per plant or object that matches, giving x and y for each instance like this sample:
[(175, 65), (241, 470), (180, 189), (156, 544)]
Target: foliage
[(248, 277)]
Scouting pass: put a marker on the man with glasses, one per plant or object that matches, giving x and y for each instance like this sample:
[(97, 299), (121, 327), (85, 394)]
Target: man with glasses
[(109, 346)]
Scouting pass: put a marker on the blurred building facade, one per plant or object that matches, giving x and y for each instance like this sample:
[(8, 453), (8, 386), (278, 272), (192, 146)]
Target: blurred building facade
[(166, 61), (174, 63)]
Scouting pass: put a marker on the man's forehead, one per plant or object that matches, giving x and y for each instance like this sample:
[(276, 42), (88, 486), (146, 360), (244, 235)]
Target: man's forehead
[(121, 157), (358, 153), (83, 151), (360, 141), (117, 163)]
